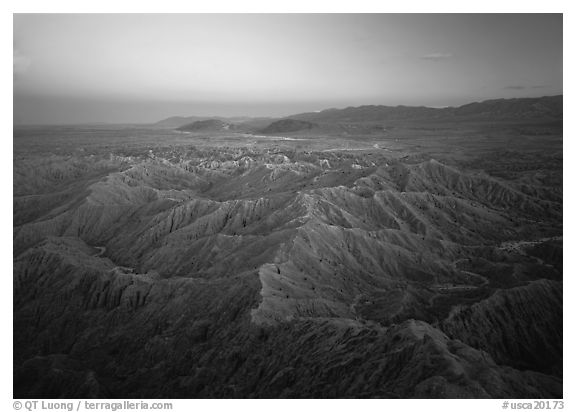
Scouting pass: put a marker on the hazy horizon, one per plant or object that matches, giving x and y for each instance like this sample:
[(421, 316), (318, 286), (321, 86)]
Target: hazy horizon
[(132, 68), (200, 112)]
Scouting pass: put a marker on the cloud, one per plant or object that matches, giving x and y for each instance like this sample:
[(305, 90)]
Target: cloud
[(21, 63), (514, 88), (436, 57), (540, 87)]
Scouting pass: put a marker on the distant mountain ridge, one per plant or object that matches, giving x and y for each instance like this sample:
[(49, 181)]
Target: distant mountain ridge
[(179, 121), (287, 126), (537, 108), (211, 125), (549, 107)]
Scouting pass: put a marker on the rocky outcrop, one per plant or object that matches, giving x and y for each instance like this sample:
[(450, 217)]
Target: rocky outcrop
[(520, 327)]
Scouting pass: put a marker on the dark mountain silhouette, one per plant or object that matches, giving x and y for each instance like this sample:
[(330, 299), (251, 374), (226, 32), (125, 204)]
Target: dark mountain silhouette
[(287, 126), (547, 108), (525, 108), (210, 125), (179, 121)]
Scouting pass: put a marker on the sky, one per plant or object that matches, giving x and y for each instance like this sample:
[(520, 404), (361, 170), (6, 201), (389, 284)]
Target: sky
[(141, 68)]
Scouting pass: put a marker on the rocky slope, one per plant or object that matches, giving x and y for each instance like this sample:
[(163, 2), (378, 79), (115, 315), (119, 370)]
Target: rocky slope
[(241, 272)]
